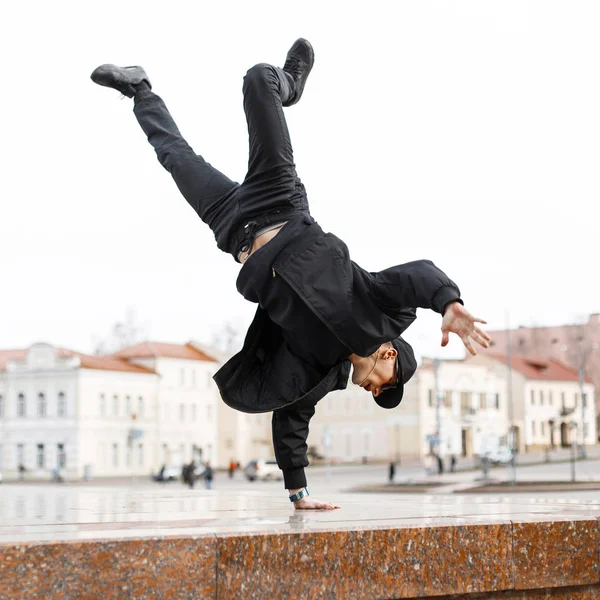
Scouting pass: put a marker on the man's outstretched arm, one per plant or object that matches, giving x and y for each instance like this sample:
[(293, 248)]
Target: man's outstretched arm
[(290, 432), (420, 284)]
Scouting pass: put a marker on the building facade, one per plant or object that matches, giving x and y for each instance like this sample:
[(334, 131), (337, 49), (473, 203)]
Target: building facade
[(461, 408), (574, 345), (548, 410), (117, 415)]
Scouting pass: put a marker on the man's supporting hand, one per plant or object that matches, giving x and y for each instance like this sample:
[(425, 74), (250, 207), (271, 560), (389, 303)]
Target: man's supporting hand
[(457, 319), (310, 504)]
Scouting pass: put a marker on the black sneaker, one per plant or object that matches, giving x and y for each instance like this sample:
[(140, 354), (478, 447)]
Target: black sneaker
[(298, 64), (122, 79)]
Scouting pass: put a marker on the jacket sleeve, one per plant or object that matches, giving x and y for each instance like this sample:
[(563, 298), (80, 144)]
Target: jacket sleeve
[(417, 284), (290, 432)]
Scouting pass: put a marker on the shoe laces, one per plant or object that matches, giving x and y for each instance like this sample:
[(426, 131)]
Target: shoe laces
[(294, 65)]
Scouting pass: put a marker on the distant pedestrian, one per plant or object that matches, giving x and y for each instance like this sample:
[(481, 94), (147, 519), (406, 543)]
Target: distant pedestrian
[(392, 472), (208, 476), (232, 468), (440, 464), (22, 470), (189, 474), (452, 463)]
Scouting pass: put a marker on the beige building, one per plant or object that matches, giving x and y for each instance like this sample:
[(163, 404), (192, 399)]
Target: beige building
[(474, 415), (548, 410), (573, 345), (350, 426)]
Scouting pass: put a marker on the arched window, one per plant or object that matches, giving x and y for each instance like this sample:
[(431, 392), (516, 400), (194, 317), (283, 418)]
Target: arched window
[(21, 407), (41, 405), (61, 409)]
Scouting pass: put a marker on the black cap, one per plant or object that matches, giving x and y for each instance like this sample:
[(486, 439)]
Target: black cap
[(406, 365)]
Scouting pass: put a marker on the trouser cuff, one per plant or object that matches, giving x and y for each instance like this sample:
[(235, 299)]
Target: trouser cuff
[(294, 478)]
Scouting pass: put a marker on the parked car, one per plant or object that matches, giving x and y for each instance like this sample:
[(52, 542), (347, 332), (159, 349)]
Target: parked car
[(171, 473), (500, 456), (262, 469)]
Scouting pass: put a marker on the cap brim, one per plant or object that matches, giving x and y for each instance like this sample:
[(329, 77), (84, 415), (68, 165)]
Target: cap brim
[(406, 365)]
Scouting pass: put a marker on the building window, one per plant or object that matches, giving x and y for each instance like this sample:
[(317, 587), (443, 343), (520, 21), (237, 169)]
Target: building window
[(102, 405), (550, 400), (465, 403), (140, 412), (21, 407), (128, 452), (41, 405), (194, 413), (1, 458), (542, 428), (193, 377), (482, 402), (541, 398), (61, 409), (115, 455), (182, 412), (430, 398), (562, 400), (182, 376), (208, 380), (61, 456), (533, 428), (585, 430), (1, 406), (576, 396), (40, 458), (448, 399), (128, 405), (141, 455), (115, 405), (532, 397), (497, 399), (583, 400), (209, 412)]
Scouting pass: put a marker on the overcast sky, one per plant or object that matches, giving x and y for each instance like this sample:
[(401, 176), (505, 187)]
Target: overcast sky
[(467, 133)]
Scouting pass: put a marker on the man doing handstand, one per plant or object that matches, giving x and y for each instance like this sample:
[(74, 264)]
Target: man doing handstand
[(318, 312)]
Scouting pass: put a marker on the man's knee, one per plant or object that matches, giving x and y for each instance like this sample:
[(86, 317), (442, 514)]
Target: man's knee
[(260, 75)]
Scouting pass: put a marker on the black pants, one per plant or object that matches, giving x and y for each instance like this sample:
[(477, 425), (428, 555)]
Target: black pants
[(271, 191)]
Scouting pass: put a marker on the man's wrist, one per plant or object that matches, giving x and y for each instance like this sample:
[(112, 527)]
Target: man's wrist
[(297, 495)]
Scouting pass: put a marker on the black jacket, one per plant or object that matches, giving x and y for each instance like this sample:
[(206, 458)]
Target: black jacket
[(362, 309)]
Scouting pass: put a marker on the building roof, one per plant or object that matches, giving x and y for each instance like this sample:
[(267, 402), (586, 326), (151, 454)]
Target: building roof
[(547, 369), (101, 363), (163, 350)]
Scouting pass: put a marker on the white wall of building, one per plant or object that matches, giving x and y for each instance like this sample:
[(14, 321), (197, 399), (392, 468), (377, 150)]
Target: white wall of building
[(176, 413), (34, 438)]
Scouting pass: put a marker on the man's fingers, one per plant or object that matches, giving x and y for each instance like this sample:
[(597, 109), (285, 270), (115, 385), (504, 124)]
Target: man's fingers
[(476, 320), (468, 346), (479, 339), (486, 336), (444, 338)]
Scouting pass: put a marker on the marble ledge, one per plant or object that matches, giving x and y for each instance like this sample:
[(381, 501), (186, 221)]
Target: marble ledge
[(445, 557)]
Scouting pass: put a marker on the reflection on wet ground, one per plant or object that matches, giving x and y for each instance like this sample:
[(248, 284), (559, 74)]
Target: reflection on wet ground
[(30, 512)]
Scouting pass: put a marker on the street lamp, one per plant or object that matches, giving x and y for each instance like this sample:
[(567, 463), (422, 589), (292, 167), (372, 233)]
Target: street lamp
[(583, 356)]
